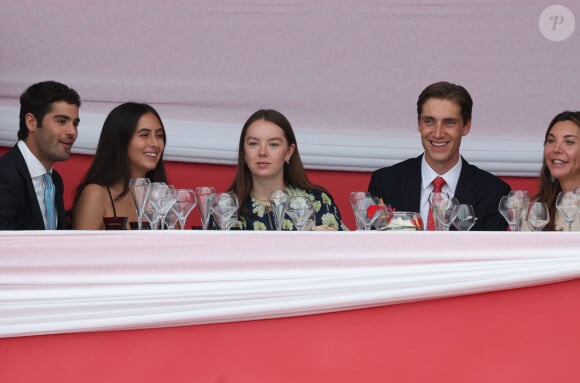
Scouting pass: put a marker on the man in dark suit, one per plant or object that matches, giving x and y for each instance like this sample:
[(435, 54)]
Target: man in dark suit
[(49, 117), (444, 117)]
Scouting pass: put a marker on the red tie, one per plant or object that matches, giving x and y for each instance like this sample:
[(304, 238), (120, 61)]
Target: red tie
[(437, 187)]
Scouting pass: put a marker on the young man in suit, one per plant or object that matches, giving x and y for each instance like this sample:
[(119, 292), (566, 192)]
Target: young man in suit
[(444, 117), (31, 192)]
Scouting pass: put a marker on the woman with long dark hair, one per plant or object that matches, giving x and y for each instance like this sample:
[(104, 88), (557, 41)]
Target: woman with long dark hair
[(131, 145), (268, 160), (560, 166)]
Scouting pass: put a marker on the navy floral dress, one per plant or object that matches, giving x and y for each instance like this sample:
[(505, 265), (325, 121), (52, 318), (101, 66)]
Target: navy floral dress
[(262, 218)]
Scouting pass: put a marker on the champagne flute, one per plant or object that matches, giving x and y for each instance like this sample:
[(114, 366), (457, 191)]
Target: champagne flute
[(140, 189), (567, 205), (205, 196), (537, 215)]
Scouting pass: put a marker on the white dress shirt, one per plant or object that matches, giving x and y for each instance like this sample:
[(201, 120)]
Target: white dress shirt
[(428, 175), (36, 170)]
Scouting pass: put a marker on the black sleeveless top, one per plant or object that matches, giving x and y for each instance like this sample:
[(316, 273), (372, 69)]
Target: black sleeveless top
[(112, 202)]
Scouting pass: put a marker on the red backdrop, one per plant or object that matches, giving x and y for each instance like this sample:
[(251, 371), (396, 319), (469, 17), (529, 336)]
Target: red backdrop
[(523, 335)]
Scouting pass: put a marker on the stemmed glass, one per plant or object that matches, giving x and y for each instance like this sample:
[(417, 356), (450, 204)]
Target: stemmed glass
[(512, 208), (185, 203), (521, 198), (464, 217), (442, 205), (171, 219), (151, 212), (354, 196), (300, 210), (361, 202), (205, 196), (140, 189), (224, 209), (163, 196), (567, 205), (278, 199), (537, 215)]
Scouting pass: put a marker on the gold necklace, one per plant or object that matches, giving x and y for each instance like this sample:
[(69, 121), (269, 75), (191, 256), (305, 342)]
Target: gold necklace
[(260, 200)]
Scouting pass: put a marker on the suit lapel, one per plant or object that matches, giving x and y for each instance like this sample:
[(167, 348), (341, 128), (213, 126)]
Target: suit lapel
[(466, 183), (409, 188), (33, 200)]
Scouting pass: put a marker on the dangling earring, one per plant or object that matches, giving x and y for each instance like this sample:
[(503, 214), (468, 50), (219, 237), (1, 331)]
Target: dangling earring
[(287, 162), (553, 179)]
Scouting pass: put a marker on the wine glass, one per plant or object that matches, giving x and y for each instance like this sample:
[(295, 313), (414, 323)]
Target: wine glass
[(363, 204), (151, 212), (567, 205), (171, 218), (442, 207), (521, 198), (464, 217), (511, 208), (140, 189), (300, 210), (185, 203), (278, 199), (537, 215), (224, 209), (164, 197), (205, 196), (352, 199)]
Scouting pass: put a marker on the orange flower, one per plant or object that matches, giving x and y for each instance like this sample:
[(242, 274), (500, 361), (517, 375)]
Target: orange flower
[(372, 210)]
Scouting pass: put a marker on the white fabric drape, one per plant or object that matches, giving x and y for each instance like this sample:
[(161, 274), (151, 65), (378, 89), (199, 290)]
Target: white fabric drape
[(58, 282), (346, 74)]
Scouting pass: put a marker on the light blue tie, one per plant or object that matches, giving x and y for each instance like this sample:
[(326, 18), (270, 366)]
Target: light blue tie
[(49, 201)]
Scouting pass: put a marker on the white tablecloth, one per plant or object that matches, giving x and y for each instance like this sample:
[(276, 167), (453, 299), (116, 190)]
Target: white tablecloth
[(58, 282)]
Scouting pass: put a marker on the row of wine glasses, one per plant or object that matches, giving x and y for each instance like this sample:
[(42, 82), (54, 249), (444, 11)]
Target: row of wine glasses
[(517, 209), (163, 205), (370, 212), (447, 211)]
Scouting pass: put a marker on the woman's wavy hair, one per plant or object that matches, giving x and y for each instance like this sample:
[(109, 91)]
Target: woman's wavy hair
[(549, 185)]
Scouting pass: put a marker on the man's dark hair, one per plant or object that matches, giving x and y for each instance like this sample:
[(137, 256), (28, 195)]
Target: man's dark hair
[(447, 91), (38, 98)]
